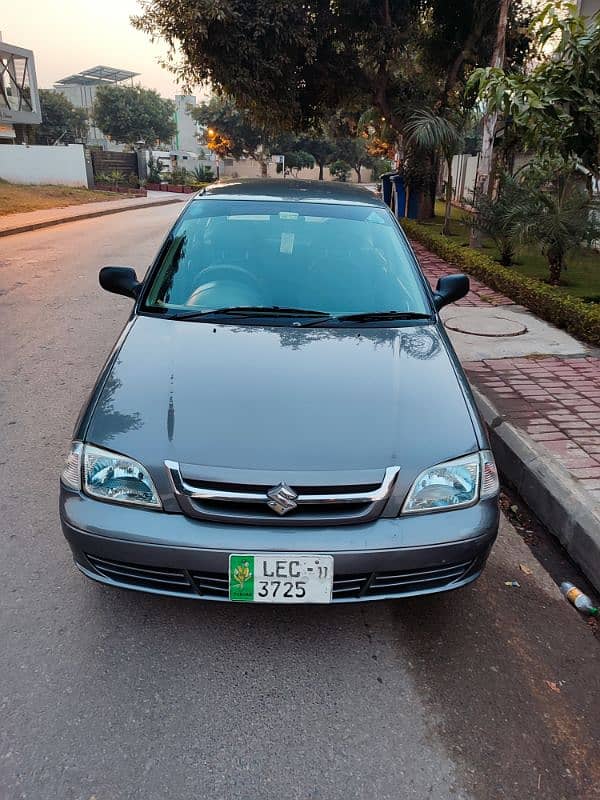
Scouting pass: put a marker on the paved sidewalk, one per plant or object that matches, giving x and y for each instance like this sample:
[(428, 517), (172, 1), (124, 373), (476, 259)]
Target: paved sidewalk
[(556, 401), (32, 220), (434, 267), (546, 386)]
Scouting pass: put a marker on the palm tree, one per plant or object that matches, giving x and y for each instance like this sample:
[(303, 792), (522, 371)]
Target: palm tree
[(430, 133), (559, 217), (500, 217)]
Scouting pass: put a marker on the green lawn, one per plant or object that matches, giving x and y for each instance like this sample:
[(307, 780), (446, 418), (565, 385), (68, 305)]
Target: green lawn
[(581, 278)]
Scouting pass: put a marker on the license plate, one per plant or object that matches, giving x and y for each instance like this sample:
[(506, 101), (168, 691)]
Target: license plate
[(284, 578)]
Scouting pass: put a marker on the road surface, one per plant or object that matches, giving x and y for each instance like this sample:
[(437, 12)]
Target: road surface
[(490, 692)]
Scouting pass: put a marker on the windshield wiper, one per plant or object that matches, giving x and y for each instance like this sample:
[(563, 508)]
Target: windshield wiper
[(369, 316), (252, 311)]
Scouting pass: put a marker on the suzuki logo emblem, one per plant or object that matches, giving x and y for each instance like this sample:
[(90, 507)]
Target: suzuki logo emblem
[(282, 498)]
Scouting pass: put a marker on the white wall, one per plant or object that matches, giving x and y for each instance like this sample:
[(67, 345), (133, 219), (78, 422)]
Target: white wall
[(464, 172), (249, 168), (64, 166)]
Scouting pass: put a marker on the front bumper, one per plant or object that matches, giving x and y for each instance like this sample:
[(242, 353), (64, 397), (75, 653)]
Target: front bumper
[(171, 554)]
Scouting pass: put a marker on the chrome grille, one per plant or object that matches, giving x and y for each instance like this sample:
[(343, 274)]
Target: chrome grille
[(306, 504), (400, 582), (211, 584), (163, 579), (360, 585), (348, 585), (215, 585)]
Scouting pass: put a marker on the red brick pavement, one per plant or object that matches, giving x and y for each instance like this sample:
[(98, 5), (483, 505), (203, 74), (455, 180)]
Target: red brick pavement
[(434, 267), (554, 399)]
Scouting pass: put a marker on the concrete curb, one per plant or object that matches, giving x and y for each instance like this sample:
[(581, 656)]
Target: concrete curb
[(34, 226), (563, 506)]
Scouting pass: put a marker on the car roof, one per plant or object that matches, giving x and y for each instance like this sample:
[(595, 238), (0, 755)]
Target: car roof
[(290, 189)]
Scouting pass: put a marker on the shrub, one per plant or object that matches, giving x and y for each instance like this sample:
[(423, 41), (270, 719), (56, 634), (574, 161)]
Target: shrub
[(179, 175), (116, 177), (380, 166), (102, 177), (154, 170), (203, 174), (569, 313), (499, 217), (340, 170)]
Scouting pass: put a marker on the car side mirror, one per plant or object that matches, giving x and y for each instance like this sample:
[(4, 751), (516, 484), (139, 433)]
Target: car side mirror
[(449, 289), (120, 280)]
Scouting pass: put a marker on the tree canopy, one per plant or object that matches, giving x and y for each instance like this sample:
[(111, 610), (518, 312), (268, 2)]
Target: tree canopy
[(228, 129), (130, 114), (554, 108), (292, 64), (231, 130), (61, 121), (297, 160), (353, 150)]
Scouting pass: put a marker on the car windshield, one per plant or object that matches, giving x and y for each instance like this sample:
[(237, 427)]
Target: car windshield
[(290, 257)]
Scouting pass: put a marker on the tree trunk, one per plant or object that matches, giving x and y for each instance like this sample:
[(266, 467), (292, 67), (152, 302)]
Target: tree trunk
[(484, 167), (448, 212), (507, 254), (357, 170), (435, 185), (320, 171), (555, 263)]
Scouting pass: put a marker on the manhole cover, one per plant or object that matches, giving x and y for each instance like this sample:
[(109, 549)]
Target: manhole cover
[(486, 325)]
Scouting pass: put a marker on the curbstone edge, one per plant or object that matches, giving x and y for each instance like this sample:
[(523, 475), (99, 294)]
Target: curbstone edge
[(559, 502), (34, 226)]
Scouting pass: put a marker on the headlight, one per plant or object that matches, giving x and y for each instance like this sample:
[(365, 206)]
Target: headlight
[(454, 484), (108, 476), (71, 474)]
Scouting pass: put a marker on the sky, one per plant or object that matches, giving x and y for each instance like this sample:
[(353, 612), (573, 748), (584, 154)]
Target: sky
[(68, 36)]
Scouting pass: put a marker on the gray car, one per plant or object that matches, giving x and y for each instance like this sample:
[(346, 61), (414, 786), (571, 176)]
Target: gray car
[(283, 418)]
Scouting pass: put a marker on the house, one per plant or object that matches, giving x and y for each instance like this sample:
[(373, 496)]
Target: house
[(19, 101), (186, 137), (81, 90)]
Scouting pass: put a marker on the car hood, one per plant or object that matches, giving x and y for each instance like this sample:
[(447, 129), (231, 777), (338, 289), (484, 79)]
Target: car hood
[(282, 398)]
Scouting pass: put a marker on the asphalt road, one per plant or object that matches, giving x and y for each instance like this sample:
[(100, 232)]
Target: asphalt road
[(490, 692)]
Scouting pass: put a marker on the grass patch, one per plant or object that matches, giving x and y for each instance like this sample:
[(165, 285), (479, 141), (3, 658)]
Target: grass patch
[(580, 279), (16, 197)]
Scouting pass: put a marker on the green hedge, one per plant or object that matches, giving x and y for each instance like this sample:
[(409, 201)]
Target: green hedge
[(575, 316)]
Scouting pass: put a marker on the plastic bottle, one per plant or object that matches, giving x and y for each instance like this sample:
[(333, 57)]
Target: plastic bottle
[(580, 600)]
